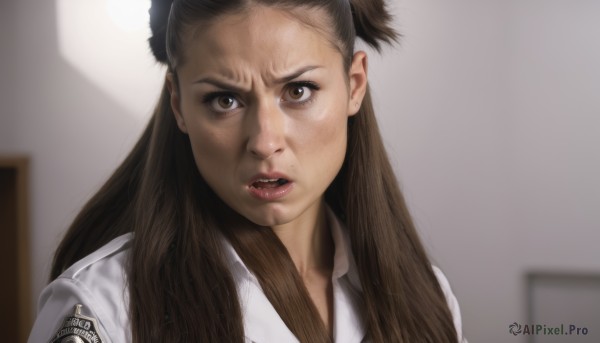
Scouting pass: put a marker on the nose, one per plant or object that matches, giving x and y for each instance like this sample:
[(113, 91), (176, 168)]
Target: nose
[(266, 131)]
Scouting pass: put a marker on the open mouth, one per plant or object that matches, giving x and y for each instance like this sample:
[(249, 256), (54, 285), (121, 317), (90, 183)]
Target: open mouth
[(268, 183), (270, 187)]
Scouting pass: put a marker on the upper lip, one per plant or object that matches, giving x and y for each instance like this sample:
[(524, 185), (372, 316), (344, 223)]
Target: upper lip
[(268, 176)]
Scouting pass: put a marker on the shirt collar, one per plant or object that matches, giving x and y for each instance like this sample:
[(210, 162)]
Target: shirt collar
[(263, 324), (343, 259)]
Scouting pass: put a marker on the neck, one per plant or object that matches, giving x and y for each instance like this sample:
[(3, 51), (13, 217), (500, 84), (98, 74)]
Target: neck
[(308, 240)]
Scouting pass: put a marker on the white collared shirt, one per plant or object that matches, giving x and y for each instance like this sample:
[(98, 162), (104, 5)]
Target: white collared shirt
[(98, 282)]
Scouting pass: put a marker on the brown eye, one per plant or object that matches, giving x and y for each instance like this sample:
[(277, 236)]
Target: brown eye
[(224, 103), (297, 93)]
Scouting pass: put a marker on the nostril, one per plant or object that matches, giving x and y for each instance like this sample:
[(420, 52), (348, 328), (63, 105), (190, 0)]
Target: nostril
[(263, 149)]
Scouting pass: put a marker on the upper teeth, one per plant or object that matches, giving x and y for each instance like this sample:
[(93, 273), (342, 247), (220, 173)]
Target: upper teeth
[(267, 180)]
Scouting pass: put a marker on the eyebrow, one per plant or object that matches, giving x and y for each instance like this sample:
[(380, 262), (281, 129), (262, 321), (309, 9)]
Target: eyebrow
[(230, 86)]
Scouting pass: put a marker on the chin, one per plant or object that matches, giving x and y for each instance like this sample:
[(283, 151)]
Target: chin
[(269, 221), (269, 216)]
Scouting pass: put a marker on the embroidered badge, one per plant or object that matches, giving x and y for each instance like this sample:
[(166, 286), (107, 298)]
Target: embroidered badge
[(78, 329)]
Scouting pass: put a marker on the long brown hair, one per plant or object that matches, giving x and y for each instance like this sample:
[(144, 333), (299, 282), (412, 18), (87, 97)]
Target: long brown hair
[(181, 289)]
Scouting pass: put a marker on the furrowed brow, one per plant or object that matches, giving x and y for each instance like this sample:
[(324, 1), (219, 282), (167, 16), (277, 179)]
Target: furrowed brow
[(220, 84), (296, 74), (232, 87)]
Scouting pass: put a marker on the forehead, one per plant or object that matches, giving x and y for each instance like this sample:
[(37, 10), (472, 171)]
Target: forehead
[(261, 37)]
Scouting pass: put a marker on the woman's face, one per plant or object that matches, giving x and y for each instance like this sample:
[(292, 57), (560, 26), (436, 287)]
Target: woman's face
[(265, 101)]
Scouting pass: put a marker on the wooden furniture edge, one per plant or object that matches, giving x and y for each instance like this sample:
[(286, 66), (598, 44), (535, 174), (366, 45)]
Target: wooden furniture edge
[(21, 164)]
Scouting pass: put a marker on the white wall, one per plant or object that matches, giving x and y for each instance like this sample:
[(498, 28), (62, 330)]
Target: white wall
[(442, 101), (491, 113), (73, 130), (554, 117), (489, 109), (8, 112)]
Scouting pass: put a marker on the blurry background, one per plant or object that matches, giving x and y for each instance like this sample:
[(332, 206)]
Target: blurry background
[(490, 111)]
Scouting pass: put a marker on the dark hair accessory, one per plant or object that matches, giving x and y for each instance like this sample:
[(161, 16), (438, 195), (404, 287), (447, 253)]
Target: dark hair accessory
[(159, 17), (372, 22)]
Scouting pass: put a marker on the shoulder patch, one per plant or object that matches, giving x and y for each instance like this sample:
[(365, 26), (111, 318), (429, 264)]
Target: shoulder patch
[(78, 329)]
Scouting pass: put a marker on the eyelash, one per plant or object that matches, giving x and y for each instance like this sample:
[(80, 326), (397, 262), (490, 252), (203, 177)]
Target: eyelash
[(214, 95), (308, 84), (210, 97)]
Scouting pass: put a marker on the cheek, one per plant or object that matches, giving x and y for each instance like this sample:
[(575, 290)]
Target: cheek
[(212, 151), (325, 139), (332, 136)]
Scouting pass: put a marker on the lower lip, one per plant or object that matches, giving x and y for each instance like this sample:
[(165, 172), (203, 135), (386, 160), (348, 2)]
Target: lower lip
[(269, 194)]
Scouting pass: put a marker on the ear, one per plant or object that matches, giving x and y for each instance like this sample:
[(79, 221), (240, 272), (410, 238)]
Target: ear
[(175, 102), (358, 82)]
